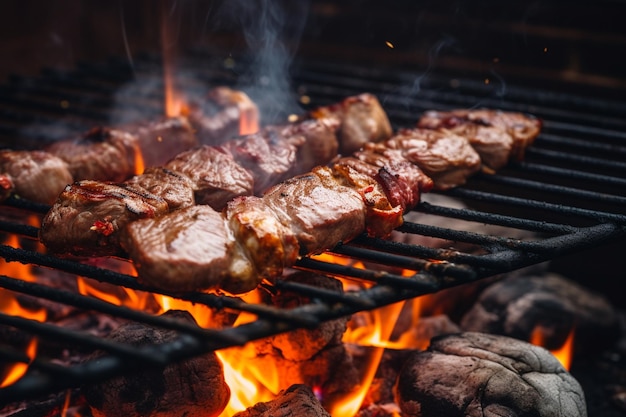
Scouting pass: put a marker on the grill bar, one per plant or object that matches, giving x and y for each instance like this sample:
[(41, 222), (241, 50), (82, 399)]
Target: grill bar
[(583, 141)]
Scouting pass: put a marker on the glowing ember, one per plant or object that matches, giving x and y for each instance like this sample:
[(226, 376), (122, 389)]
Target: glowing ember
[(564, 354), (140, 165)]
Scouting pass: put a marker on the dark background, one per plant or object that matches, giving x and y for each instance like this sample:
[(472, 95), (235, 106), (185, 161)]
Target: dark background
[(572, 45)]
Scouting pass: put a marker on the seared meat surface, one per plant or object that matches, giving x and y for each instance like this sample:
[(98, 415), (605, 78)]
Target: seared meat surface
[(242, 166), (223, 114), (261, 236), (34, 175), (215, 175), (101, 154), (176, 189), (447, 158), (361, 120), (88, 214), (497, 136), (175, 247), (115, 154)]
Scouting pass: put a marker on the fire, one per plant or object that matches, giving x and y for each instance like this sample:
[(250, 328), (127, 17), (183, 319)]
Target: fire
[(248, 118), (19, 369), (248, 384), (140, 165), (563, 354), (377, 334)]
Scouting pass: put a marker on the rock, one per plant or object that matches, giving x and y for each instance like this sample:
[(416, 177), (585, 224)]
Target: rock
[(480, 375)]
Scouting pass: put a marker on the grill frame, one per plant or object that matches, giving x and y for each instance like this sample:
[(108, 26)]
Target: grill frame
[(325, 83)]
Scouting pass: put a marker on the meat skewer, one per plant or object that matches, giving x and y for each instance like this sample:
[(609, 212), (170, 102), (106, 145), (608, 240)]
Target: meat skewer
[(88, 215), (117, 153), (496, 135), (256, 238)]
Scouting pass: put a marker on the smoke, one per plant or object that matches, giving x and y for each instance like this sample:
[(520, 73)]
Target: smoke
[(272, 30)]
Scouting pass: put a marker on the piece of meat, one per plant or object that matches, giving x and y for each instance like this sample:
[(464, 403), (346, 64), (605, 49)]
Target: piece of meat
[(176, 189), (361, 120), (33, 175), (224, 113), (161, 138), (216, 176), (88, 214), (447, 158), (174, 248), (101, 154), (498, 136)]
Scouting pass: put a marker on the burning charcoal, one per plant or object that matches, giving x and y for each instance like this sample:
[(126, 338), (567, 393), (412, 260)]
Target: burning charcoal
[(192, 388), (550, 304), (476, 374), (316, 357), (298, 400)]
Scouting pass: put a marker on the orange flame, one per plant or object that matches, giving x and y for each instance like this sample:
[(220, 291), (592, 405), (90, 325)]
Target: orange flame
[(377, 335), (174, 102), (248, 119), (19, 369), (563, 354), (140, 165)]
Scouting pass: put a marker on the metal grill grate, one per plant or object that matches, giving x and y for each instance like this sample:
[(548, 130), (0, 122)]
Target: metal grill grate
[(569, 192)]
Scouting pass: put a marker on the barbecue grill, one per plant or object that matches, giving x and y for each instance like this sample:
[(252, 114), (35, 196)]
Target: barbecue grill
[(568, 191)]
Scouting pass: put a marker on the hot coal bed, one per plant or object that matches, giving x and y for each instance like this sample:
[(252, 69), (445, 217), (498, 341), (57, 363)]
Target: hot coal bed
[(567, 194)]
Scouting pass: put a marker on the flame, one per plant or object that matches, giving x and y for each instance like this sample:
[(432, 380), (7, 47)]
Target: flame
[(19, 369), (174, 101), (248, 384), (376, 334), (140, 165), (563, 354), (248, 118)]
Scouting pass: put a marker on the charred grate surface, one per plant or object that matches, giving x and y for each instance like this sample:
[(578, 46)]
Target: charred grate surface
[(569, 192)]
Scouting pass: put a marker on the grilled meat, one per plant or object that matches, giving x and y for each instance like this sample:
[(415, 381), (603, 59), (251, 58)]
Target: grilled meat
[(223, 114), (216, 174), (447, 158), (361, 120), (497, 136), (100, 154), (115, 154), (176, 189), (89, 214), (260, 236), (34, 175)]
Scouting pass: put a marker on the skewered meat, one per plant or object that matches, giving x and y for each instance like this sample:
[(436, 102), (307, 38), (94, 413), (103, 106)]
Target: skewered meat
[(447, 158), (257, 237), (215, 175), (37, 175), (88, 214), (115, 154), (362, 120), (497, 136), (260, 236), (223, 114)]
